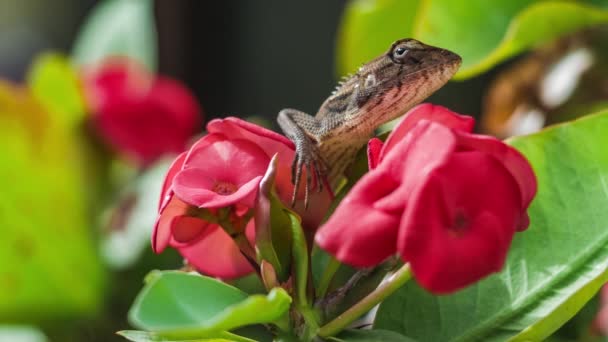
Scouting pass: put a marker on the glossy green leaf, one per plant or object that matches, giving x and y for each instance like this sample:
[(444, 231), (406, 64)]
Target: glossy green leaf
[(538, 23), (484, 33), (181, 305), (552, 269), (118, 27), (55, 84), (49, 267), (359, 335)]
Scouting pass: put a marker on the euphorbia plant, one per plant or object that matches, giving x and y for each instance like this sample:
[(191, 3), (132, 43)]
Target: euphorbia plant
[(438, 203)]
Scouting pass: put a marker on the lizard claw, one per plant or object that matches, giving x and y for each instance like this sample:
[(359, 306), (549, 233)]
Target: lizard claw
[(307, 157)]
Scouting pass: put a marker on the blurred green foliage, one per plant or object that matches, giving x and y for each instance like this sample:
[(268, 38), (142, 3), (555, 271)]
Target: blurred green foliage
[(54, 183), (49, 267), (483, 32)]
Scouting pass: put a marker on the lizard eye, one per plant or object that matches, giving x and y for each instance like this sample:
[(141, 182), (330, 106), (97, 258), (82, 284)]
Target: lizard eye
[(400, 52)]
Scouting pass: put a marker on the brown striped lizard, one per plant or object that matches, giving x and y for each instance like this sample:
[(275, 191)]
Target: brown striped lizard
[(381, 90)]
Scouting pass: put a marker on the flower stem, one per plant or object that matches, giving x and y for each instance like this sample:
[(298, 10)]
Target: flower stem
[(393, 283), (328, 275)]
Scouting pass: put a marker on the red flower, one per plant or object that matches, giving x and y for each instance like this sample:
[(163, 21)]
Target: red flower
[(447, 201), (222, 170), (140, 115)]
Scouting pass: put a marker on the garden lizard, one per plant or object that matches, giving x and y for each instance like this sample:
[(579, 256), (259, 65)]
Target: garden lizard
[(381, 90)]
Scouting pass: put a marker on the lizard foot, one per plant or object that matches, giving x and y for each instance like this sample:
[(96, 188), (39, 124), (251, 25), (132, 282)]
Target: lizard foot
[(307, 157)]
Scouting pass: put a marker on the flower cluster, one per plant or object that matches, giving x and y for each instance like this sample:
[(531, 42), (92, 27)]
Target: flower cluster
[(444, 199), (140, 115), (212, 188)]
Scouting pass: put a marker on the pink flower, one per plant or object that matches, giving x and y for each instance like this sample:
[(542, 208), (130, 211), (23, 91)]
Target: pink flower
[(222, 170), (140, 115), (447, 201)]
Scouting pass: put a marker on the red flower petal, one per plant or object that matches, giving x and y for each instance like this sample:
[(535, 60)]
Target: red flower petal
[(426, 146), (141, 116), (270, 142), (460, 222), (177, 99), (210, 168), (273, 143), (186, 229), (512, 159), (235, 128), (161, 235), (357, 233), (194, 186), (232, 161), (378, 199), (216, 255), (374, 147), (427, 111), (175, 167)]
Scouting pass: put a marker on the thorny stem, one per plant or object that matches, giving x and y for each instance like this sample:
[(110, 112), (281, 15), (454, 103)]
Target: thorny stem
[(393, 283), (338, 295)]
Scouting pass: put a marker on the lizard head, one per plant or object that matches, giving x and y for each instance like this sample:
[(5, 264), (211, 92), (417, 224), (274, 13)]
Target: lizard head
[(406, 74), (407, 58), (395, 81)]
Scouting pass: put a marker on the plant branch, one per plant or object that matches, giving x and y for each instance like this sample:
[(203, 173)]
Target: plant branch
[(394, 282)]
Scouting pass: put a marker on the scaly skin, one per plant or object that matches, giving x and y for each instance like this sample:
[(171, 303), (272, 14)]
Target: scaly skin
[(381, 90)]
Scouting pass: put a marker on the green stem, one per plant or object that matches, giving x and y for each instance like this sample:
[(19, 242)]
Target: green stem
[(328, 275), (393, 283)]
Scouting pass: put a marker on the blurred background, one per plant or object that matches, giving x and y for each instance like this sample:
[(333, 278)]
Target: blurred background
[(240, 59), (76, 215)]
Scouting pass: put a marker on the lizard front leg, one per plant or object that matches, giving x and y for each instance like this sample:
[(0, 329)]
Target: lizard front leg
[(302, 129)]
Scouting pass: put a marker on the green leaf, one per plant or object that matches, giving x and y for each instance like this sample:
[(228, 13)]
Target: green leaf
[(181, 306), (118, 27), (484, 33), (553, 268), (358, 335), (48, 261), (54, 83), (538, 23)]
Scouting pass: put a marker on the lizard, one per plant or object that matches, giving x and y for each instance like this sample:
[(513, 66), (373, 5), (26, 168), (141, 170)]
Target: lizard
[(380, 91)]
